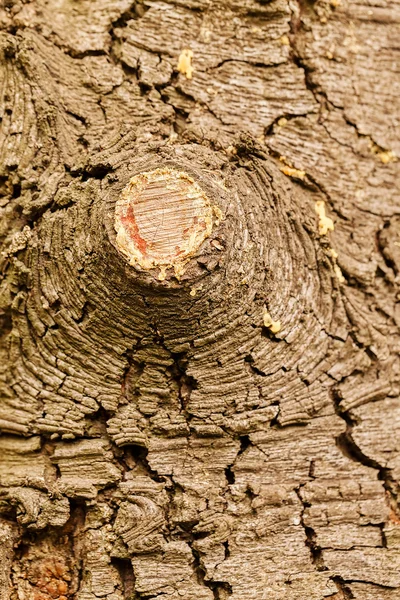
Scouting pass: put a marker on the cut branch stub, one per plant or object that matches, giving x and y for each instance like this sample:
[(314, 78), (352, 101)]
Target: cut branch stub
[(161, 218)]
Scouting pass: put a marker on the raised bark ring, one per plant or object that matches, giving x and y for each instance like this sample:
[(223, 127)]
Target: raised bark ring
[(162, 217)]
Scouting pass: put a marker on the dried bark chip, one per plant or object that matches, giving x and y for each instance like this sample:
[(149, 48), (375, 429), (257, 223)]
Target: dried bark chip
[(161, 218)]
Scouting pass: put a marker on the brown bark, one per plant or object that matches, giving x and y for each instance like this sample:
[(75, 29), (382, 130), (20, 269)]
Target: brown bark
[(199, 303)]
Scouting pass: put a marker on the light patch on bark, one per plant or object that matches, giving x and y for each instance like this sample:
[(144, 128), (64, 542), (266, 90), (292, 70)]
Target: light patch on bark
[(291, 172), (185, 63), (325, 223), (273, 326)]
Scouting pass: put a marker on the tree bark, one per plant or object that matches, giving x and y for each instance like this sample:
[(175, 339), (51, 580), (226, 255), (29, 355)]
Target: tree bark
[(199, 303)]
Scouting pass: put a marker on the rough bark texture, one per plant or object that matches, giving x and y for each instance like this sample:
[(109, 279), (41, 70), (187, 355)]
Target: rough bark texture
[(230, 429)]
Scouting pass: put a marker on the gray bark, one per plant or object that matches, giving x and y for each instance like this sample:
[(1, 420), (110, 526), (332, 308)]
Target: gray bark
[(223, 421)]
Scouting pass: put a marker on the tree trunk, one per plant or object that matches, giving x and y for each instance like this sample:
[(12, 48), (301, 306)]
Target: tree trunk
[(200, 307)]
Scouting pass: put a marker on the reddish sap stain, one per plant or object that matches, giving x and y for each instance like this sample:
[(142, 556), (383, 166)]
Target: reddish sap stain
[(129, 222)]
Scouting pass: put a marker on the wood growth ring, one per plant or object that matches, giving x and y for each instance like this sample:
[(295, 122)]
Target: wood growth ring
[(161, 218)]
